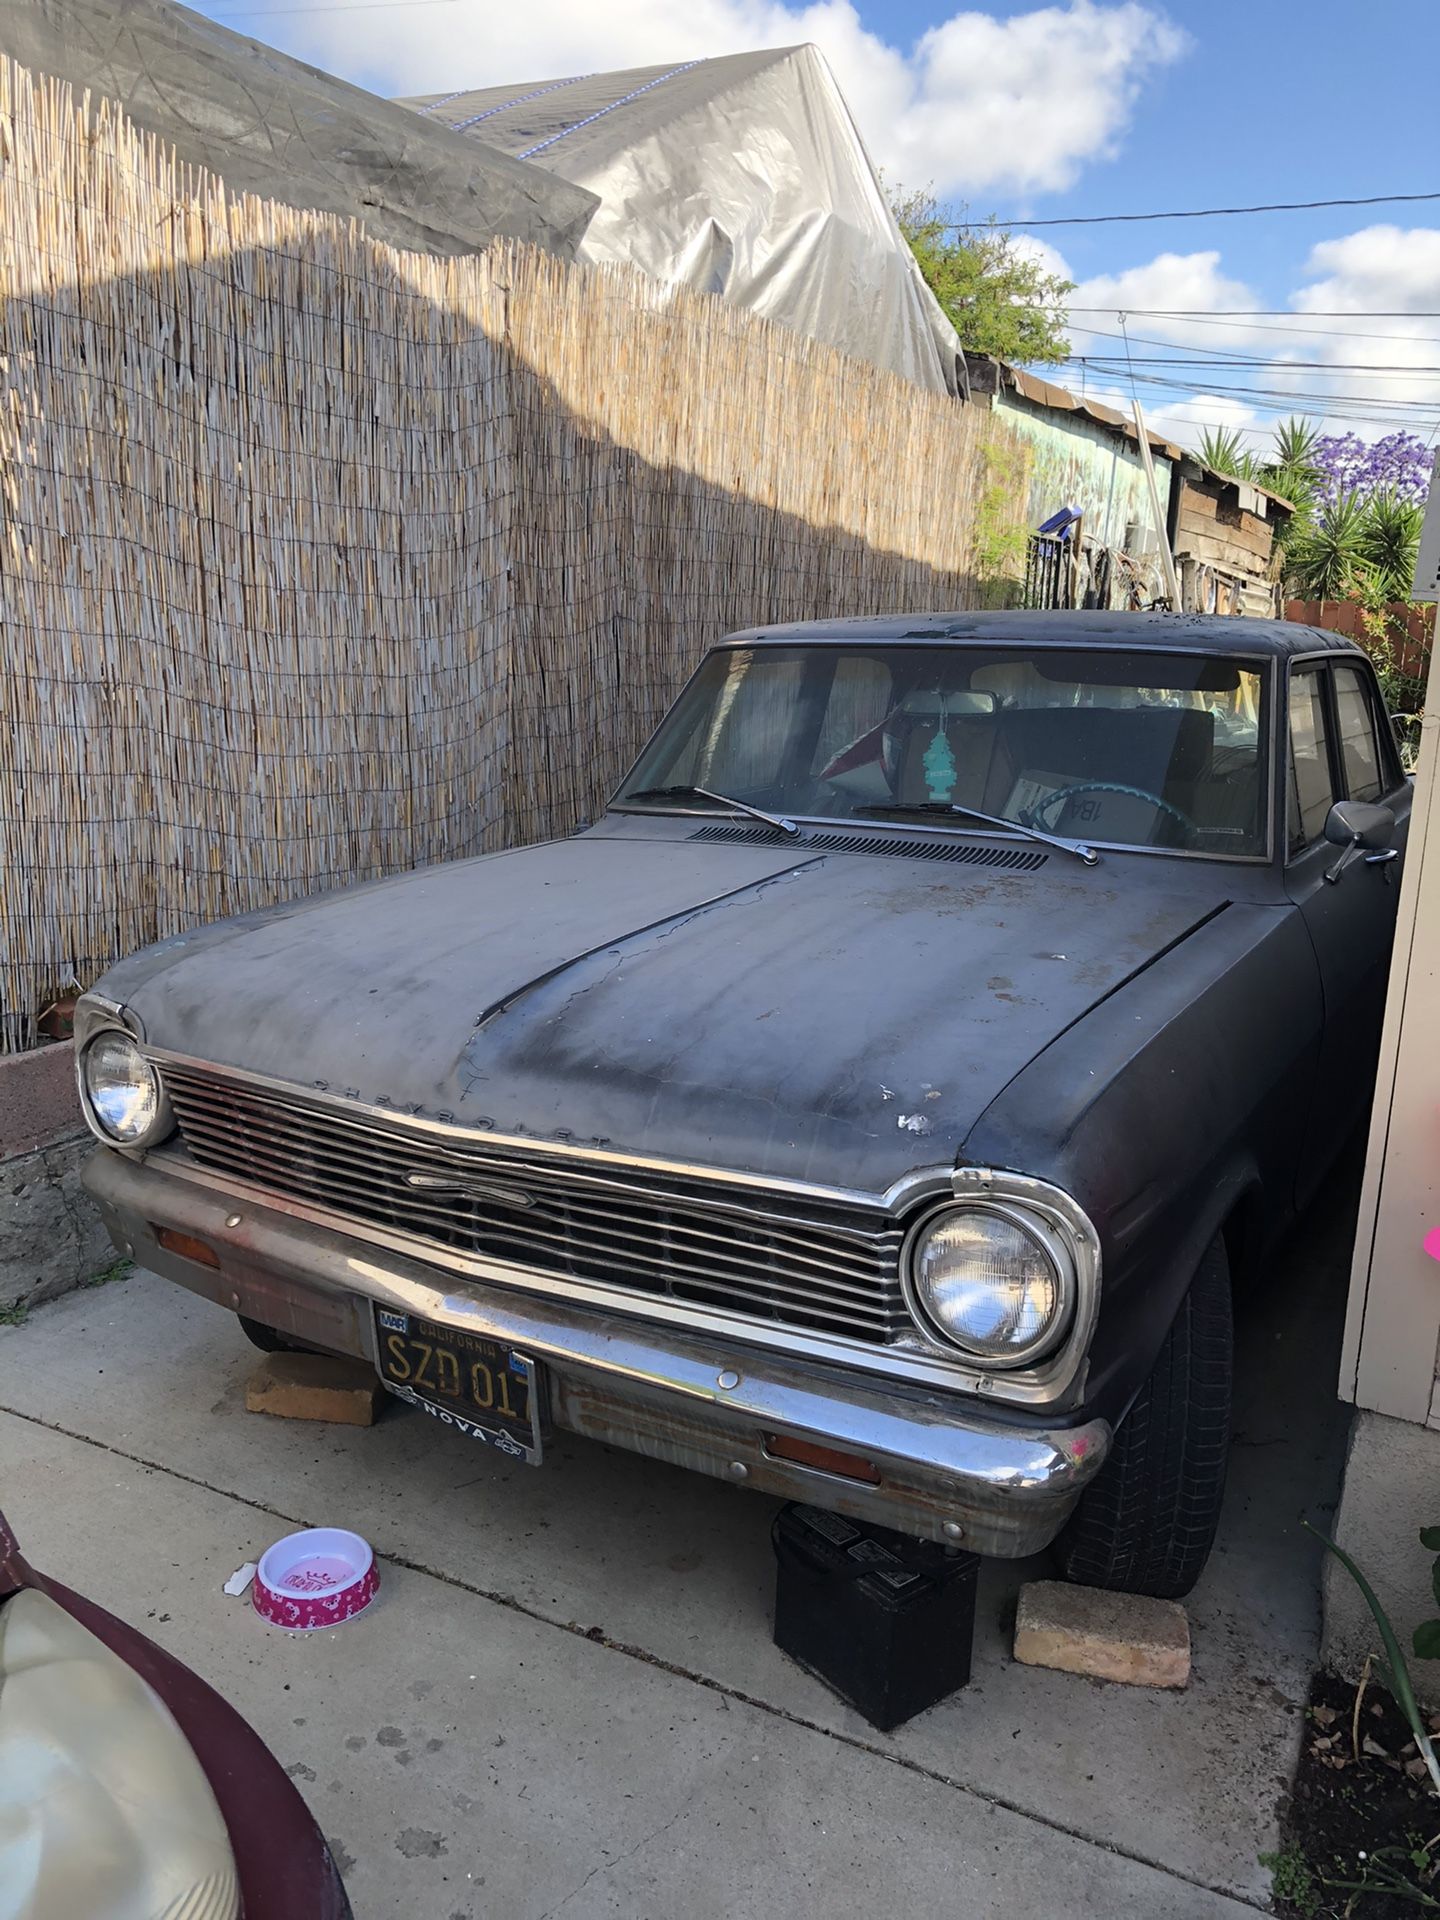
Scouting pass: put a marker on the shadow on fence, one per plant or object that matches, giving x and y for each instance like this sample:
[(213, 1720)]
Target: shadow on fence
[(321, 561)]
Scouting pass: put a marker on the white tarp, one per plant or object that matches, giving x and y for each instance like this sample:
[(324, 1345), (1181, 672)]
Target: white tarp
[(743, 176), (273, 126)]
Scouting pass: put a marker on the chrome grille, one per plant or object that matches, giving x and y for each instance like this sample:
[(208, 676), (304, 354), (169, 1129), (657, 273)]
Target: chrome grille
[(829, 1268)]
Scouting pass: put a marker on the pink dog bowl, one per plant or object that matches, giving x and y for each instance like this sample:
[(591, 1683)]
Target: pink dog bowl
[(315, 1579)]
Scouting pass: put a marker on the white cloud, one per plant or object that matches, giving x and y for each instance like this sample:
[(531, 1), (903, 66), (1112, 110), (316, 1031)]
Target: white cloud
[(979, 105), (1178, 282), (1363, 375), (1021, 102), (1381, 267), (1045, 256), (1370, 361)]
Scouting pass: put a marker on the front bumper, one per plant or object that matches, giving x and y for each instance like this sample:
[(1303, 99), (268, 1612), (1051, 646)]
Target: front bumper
[(946, 1473)]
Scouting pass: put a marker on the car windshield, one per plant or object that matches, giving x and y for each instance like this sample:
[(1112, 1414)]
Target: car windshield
[(1120, 748)]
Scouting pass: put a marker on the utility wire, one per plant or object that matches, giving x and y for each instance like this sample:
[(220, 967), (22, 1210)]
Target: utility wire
[(1192, 213), (1247, 313), (1285, 396), (1243, 326), (1240, 362), (1232, 353)]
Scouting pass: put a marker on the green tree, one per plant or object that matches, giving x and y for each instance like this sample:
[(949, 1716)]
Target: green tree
[(1291, 470), (998, 298)]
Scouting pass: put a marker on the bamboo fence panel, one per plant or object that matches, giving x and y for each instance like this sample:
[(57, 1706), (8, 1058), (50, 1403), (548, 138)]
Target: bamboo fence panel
[(318, 560)]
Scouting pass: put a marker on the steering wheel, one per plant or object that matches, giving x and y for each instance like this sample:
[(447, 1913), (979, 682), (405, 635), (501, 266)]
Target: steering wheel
[(1108, 786)]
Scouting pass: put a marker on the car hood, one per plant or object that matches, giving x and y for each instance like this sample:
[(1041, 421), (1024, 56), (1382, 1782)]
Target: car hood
[(842, 1019)]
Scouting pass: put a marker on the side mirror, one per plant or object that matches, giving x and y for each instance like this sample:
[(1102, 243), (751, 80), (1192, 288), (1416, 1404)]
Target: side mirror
[(1355, 823), (1359, 827)]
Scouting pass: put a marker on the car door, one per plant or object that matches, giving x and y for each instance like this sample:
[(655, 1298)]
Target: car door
[(1341, 746)]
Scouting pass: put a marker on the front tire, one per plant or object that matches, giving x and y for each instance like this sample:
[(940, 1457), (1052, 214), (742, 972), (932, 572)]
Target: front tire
[(1147, 1521)]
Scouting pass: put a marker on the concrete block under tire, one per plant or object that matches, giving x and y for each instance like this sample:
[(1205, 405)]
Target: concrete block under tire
[(1109, 1636), (315, 1386)]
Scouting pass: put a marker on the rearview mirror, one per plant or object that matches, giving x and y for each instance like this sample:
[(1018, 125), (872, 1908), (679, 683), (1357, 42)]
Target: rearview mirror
[(1355, 823)]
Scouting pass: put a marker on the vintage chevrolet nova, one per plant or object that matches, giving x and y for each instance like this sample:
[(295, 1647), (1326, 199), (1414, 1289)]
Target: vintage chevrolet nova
[(876, 1106)]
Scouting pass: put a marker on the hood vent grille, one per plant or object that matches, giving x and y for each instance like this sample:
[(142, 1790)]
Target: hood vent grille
[(828, 840)]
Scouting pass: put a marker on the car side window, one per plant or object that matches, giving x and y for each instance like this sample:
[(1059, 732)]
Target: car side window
[(1312, 792), (1360, 753)]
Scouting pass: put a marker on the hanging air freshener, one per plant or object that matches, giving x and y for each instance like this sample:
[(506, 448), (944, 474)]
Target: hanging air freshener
[(939, 761)]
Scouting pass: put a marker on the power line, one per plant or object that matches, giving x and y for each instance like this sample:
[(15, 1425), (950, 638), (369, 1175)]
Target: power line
[(1196, 213), (1279, 364), (1382, 408), (1242, 326), (1365, 406), (1249, 313), (1357, 407)]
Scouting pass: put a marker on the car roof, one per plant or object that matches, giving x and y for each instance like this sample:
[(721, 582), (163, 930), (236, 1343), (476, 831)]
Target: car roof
[(1182, 632)]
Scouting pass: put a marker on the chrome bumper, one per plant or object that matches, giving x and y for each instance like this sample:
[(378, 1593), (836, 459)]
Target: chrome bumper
[(693, 1399)]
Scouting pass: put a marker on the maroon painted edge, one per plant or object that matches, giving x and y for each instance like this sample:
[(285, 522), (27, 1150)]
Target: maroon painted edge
[(286, 1869)]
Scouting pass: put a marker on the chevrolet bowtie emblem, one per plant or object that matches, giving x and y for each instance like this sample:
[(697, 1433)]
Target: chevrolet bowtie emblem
[(462, 1186)]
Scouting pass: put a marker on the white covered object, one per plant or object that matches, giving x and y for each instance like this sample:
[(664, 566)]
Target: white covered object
[(105, 1813), (743, 176)]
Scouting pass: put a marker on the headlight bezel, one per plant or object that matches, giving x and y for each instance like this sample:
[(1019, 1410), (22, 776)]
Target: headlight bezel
[(1057, 1375), (162, 1121), (1041, 1234)]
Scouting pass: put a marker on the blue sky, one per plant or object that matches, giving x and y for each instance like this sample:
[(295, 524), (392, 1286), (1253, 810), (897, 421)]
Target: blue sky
[(1075, 107), (1268, 102)]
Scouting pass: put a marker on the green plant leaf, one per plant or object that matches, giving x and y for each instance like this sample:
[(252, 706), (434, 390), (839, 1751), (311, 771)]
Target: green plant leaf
[(1398, 1675), (998, 298), (1330, 559), (1426, 1640), (1223, 449), (1430, 1539)]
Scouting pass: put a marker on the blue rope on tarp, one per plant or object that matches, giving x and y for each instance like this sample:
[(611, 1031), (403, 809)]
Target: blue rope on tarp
[(600, 112)]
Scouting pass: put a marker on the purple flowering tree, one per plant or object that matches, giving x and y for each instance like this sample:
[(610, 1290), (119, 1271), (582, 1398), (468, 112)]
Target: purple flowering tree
[(1398, 464)]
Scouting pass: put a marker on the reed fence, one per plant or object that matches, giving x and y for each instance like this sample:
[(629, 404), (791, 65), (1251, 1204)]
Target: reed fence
[(318, 559)]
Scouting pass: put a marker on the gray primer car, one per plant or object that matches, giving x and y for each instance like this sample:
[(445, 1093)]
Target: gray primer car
[(873, 1107)]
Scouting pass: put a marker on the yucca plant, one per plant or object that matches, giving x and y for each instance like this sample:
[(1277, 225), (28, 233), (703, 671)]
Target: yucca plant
[(1392, 540), (1295, 445), (1223, 449), (1294, 472), (1329, 558)]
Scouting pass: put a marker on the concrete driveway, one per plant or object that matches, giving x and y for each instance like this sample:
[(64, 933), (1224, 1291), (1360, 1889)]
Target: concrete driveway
[(566, 1698)]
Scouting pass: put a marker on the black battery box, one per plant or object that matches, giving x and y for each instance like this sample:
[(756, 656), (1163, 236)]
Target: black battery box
[(885, 1621)]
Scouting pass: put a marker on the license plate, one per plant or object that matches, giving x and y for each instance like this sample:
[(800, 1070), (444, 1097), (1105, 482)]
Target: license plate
[(483, 1389)]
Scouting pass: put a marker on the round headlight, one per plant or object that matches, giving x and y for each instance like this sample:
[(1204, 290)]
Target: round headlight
[(988, 1283), (123, 1089)]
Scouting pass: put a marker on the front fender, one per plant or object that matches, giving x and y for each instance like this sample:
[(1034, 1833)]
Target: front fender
[(1172, 1103)]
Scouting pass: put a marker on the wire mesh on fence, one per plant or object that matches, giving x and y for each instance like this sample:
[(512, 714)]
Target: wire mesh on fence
[(318, 559)]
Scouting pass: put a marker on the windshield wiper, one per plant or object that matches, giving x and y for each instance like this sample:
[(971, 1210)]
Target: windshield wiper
[(1077, 847), (780, 823)]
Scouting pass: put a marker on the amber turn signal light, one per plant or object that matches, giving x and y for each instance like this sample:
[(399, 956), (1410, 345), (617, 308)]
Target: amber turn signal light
[(186, 1245), (845, 1466)]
